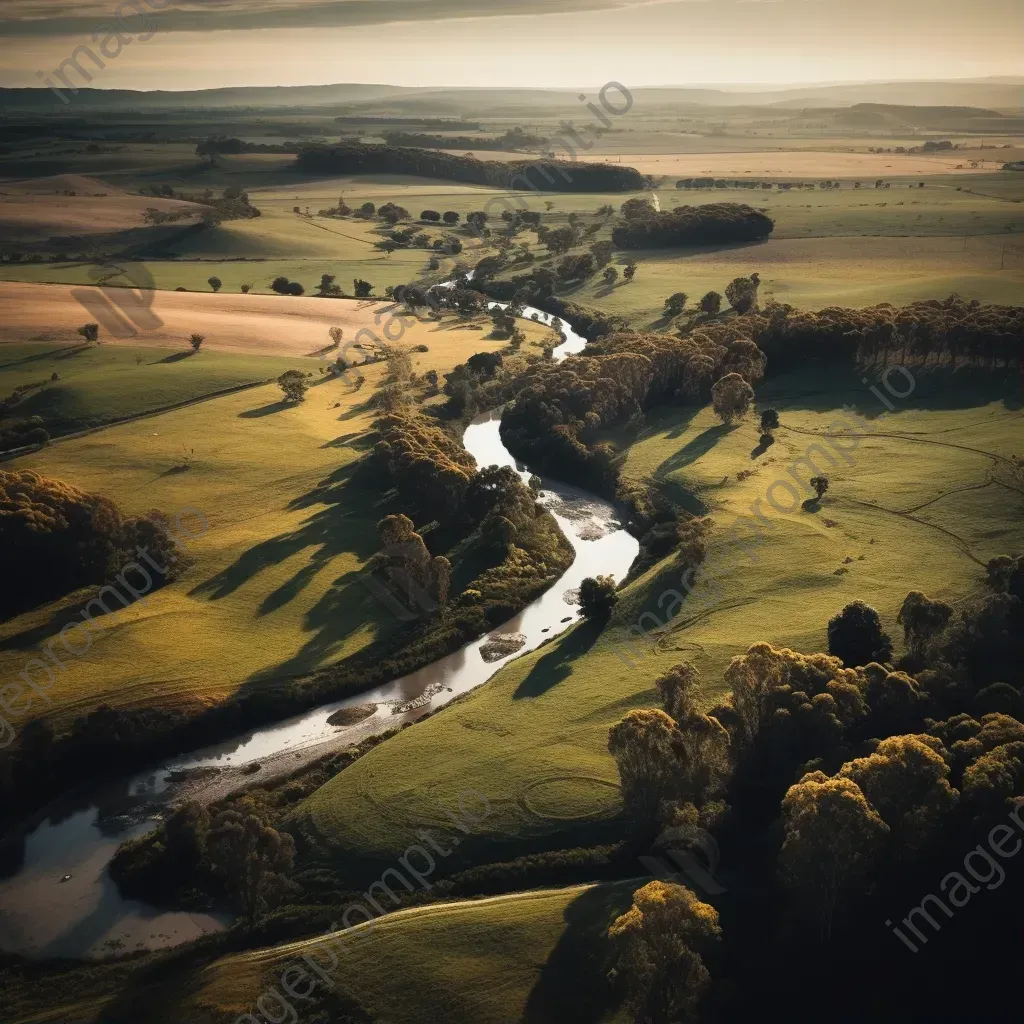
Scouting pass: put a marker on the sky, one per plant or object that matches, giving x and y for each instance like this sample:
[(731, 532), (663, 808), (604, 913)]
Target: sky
[(525, 43)]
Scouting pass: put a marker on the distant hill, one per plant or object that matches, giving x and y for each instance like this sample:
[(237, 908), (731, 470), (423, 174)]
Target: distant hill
[(994, 95)]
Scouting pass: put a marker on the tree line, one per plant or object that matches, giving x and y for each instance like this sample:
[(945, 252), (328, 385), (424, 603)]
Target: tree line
[(952, 332), (545, 175), (514, 138)]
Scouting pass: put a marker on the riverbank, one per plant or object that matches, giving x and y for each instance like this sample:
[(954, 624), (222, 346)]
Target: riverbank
[(600, 545)]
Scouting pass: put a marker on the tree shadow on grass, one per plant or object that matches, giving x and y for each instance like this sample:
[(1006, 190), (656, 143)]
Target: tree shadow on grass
[(556, 666), (822, 386), (355, 411), (361, 440), (330, 531), (50, 353), (265, 410), (174, 357), (573, 986), (693, 450)]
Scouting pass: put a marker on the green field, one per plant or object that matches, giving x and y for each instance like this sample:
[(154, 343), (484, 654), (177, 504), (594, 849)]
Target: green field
[(533, 957), (100, 384), (272, 591), (926, 501), (845, 246)]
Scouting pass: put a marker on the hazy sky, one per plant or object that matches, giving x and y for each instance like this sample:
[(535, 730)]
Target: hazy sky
[(534, 43)]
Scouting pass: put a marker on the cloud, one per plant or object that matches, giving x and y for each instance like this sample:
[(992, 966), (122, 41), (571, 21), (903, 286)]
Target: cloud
[(75, 17)]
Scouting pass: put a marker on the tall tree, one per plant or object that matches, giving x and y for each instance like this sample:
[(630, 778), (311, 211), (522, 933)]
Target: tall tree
[(856, 636), (832, 838), (254, 859), (660, 944), (731, 397)]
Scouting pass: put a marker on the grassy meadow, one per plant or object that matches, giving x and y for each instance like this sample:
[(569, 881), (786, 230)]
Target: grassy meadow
[(282, 524), (923, 503), (272, 591), (531, 956), (853, 246)]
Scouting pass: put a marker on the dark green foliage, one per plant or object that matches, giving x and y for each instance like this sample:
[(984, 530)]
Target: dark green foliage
[(953, 331), (544, 175), (742, 293), (293, 384), (713, 224), (55, 538), (675, 304), (254, 860), (598, 598), (283, 286), (711, 303), (855, 636)]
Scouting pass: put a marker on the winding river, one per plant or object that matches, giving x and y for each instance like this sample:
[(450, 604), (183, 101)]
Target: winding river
[(56, 896)]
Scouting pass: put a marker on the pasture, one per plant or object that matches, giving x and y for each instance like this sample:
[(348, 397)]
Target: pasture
[(530, 956), (922, 503), (272, 592)]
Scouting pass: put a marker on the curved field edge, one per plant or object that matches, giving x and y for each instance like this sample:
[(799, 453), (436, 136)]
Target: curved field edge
[(547, 714), (529, 956), (270, 595)]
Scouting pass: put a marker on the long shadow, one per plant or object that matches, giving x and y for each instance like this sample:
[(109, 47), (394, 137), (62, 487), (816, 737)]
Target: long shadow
[(346, 526), (823, 387), (330, 531), (345, 603), (264, 410), (174, 357), (692, 450), (556, 666), (361, 440), (355, 411), (573, 986), (71, 613), (53, 353)]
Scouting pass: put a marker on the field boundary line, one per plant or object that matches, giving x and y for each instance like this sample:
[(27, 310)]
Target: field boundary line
[(15, 453)]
